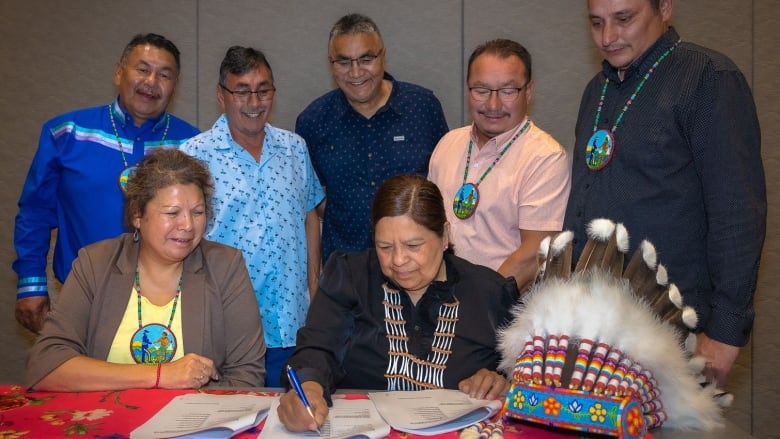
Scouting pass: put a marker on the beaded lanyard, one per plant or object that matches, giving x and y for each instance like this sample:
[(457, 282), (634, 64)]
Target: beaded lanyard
[(142, 349), (127, 170), (601, 145), (467, 198)]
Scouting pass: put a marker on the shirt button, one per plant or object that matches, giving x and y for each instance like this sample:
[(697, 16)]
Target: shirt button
[(370, 154), (373, 183), (331, 147), (368, 125), (138, 138), (416, 327)]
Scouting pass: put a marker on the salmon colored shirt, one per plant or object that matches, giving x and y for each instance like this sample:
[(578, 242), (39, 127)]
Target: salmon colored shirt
[(527, 189)]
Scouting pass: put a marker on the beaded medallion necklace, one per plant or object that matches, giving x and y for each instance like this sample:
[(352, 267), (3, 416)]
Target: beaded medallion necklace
[(404, 370), (153, 343), (467, 198), (601, 145), (128, 170)]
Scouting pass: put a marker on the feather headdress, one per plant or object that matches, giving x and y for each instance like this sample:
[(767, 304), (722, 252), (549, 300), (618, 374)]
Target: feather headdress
[(600, 348)]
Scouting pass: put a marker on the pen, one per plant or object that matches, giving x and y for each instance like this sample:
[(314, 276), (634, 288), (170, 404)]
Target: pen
[(297, 386)]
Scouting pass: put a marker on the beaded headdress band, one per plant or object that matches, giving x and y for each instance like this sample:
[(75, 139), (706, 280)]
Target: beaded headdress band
[(602, 349)]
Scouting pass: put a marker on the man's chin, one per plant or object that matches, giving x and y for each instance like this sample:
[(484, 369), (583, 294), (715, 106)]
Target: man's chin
[(618, 62)]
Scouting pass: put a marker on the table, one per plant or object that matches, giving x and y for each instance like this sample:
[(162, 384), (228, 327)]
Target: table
[(114, 414)]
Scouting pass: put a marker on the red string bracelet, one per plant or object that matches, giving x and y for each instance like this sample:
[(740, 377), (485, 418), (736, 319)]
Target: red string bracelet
[(157, 381)]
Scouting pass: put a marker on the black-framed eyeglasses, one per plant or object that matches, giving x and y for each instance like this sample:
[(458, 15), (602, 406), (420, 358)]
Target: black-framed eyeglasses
[(263, 94), (365, 61), (506, 94)]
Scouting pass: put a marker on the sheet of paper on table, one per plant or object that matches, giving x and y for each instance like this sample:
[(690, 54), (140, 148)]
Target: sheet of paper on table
[(204, 415), (348, 418), (430, 412)]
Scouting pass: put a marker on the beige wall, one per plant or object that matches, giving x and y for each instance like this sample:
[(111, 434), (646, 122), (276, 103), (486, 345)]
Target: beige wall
[(57, 56)]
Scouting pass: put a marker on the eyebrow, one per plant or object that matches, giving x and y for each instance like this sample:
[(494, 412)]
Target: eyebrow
[(621, 13), (248, 85), (145, 63), (369, 53), (512, 83)]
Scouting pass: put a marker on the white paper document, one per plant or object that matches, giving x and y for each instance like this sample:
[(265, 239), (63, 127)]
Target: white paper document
[(348, 418), (204, 415), (429, 412)]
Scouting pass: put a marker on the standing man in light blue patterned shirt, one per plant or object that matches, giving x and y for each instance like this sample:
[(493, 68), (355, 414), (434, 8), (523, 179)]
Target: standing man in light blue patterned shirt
[(264, 200)]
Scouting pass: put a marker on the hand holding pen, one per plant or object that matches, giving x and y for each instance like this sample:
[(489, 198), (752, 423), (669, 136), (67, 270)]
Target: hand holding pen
[(313, 402)]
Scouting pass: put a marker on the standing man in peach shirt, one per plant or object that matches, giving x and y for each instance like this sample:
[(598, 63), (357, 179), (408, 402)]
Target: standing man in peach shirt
[(507, 180)]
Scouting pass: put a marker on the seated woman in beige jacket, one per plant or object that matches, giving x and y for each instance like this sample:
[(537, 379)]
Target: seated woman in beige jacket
[(160, 307)]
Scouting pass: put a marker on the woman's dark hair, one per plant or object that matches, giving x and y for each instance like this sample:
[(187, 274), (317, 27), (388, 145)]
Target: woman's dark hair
[(412, 195), (160, 169)]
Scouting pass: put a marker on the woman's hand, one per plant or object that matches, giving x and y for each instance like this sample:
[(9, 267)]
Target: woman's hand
[(293, 413), (192, 371), (485, 384)]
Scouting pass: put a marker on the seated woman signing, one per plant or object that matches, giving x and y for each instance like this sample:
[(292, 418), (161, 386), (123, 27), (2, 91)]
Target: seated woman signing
[(161, 307), (405, 315)]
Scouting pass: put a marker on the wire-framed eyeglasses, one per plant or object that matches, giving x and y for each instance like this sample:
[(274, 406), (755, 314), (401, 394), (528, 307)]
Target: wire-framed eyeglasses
[(364, 62), (506, 94), (263, 94)]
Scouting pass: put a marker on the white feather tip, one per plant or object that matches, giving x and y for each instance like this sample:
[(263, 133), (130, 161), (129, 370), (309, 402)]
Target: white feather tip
[(675, 296), (689, 317), (661, 275), (621, 234), (648, 254), (561, 241), (544, 247), (600, 229)]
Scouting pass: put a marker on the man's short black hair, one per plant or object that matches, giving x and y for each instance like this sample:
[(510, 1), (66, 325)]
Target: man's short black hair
[(155, 40), (240, 60), (502, 48)]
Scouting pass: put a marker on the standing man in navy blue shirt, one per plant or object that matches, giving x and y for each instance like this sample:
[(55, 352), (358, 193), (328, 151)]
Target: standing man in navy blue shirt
[(370, 128), (668, 143)]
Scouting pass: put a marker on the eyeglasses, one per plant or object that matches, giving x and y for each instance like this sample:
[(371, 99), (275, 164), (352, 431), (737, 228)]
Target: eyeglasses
[(263, 94), (364, 62), (506, 94)]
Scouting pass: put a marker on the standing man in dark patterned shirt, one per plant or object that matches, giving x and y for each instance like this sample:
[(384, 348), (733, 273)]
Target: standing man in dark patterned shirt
[(371, 128), (668, 143)]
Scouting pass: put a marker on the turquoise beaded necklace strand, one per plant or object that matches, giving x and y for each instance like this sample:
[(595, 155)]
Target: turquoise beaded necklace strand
[(138, 292), (470, 191), (141, 348), (600, 146), (127, 170)]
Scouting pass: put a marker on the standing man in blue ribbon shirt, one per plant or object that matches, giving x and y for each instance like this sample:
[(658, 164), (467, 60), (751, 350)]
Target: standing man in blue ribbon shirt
[(668, 143), (75, 182), (371, 128)]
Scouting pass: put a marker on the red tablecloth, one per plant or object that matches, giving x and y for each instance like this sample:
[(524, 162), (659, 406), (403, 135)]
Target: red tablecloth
[(113, 415)]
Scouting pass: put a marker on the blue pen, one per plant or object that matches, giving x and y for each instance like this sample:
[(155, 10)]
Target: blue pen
[(297, 386)]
